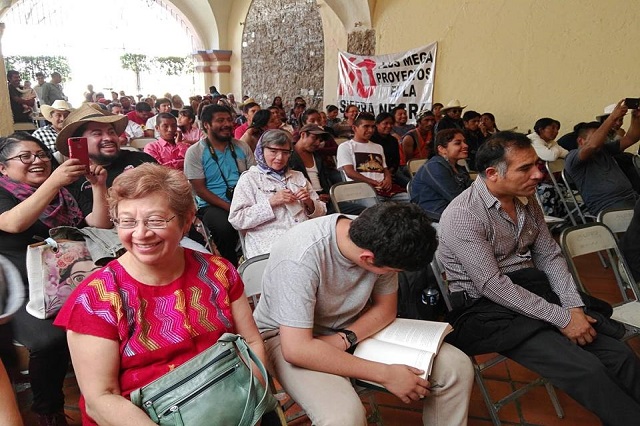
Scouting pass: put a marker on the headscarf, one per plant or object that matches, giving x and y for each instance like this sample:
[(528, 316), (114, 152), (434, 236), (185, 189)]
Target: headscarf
[(63, 210), (259, 155)]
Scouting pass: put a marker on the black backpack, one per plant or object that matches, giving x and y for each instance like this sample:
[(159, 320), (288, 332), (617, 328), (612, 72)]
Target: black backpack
[(418, 296)]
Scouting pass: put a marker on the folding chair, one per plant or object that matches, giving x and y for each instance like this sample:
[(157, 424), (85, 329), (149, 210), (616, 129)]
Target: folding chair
[(206, 234), (141, 142), (480, 367), (594, 238), (576, 198), (617, 220), (251, 272), (557, 166), (358, 193), (414, 164)]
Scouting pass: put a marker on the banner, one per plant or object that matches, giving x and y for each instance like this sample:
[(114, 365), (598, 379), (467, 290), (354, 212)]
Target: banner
[(379, 83)]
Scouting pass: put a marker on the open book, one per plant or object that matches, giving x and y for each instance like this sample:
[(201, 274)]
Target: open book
[(411, 342)]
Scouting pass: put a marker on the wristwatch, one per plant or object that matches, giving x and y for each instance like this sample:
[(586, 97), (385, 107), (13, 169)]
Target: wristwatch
[(351, 337)]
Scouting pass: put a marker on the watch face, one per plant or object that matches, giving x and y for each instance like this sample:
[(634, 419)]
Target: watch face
[(351, 336)]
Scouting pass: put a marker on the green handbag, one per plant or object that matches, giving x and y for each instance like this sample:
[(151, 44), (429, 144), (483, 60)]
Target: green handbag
[(216, 387)]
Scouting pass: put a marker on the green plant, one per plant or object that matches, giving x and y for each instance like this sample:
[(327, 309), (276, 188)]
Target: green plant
[(28, 66), (135, 62)]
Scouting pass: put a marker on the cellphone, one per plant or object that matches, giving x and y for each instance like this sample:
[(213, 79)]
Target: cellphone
[(79, 149), (632, 103)]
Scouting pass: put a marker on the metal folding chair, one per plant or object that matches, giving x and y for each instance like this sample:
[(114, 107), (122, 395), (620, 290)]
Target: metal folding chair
[(141, 142), (617, 220), (575, 197), (557, 166), (595, 238), (480, 367), (358, 193), (414, 164)]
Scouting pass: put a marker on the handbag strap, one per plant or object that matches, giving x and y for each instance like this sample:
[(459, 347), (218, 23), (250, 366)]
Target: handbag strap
[(251, 415)]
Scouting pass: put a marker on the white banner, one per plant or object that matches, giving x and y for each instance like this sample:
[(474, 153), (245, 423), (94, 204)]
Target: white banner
[(379, 83)]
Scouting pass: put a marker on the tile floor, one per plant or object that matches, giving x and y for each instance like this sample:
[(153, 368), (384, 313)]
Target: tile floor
[(534, 408)]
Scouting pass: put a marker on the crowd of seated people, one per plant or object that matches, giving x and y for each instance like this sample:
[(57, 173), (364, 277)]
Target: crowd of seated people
[(256, 174)]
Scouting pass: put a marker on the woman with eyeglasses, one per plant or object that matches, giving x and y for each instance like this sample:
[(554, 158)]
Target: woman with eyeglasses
[(33, 199), (271, 198), (155, 307)]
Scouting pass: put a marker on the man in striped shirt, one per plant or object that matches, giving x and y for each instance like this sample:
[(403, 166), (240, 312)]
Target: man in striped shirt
[(512, 291)]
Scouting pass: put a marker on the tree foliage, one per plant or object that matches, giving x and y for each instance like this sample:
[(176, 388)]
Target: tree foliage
[(134, 62), (173, 65), (28, 66)]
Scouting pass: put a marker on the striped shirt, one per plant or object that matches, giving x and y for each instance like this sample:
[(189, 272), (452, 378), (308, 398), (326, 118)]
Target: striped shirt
[(479, 243)]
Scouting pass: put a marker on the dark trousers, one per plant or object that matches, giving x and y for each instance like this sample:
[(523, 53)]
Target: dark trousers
[(603, 376), (224, 235), (48, 360)]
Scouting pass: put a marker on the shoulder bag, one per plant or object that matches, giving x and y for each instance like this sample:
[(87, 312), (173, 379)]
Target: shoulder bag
[(216, 387)]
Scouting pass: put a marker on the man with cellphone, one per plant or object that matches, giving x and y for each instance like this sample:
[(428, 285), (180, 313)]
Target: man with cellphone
[(332, 282), (101, 129), (592, 166)]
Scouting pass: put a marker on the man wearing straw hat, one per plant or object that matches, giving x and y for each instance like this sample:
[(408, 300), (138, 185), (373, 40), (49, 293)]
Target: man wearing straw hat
[(101, 129), (54, 114), (451, 116)]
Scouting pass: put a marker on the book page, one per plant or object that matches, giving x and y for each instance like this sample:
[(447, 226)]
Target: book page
[(417, 334), (388, 353)]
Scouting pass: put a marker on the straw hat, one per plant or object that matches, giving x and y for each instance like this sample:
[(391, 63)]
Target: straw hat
[(12, 292), (59, 105), (87, 113), (453, 104)]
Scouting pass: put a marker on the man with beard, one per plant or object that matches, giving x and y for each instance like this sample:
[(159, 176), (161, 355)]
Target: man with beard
[(213, 166), (101, 130)]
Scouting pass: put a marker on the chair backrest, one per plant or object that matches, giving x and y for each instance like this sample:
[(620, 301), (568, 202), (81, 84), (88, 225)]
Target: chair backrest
[(443, 285), (356, 192), (141, 142), (556, 166), (251, 272), (414, 164), (617, 220), (594, 238)]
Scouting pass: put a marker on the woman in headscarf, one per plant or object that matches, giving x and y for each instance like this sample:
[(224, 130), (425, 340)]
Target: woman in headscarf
[(270, 198)]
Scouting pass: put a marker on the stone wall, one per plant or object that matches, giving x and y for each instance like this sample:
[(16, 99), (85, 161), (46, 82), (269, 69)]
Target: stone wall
[(362, 42), (283, 51)]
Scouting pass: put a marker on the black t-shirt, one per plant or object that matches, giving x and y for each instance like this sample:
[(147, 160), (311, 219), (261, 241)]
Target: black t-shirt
[(14, 246), (81, 189), (391, 149)]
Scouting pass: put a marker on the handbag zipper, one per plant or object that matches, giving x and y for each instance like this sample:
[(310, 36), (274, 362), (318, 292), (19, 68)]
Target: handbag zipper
[(176, 407), (150, 401)]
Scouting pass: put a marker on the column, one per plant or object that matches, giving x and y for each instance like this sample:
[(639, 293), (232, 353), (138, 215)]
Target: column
[(214, 67)]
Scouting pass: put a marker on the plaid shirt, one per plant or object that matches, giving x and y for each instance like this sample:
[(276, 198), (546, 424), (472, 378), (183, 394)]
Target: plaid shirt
[(47, 135), (479, 243)]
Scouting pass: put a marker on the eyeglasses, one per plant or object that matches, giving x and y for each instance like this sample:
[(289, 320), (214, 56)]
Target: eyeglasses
[(152, 222), (455, 110), (30, 158), (276, 151)]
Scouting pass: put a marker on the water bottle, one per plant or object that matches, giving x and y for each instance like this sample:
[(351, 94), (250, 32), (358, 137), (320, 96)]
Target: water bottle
[(430, 296)]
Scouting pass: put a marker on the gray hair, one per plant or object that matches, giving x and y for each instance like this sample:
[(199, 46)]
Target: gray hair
[(276, 137)]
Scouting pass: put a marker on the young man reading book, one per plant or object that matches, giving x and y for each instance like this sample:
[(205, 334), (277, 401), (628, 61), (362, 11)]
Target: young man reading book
[(315, 308)]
